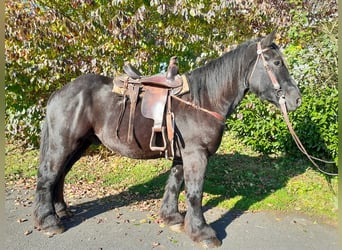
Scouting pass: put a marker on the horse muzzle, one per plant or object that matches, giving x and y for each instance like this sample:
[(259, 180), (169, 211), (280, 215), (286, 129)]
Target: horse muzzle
[(293, 99)]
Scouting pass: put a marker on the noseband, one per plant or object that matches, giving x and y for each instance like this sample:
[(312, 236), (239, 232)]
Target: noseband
[(276, 85)]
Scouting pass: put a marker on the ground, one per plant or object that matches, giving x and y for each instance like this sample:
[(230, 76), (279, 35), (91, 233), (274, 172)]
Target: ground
[(107, 223)]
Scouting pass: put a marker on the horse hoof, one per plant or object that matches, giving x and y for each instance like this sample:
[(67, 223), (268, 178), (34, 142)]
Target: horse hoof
[(51, 231), (178, 228), (211, 243), (64, 214)]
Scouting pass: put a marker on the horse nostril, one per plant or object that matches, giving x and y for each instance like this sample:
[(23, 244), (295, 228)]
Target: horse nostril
[(299, 102)]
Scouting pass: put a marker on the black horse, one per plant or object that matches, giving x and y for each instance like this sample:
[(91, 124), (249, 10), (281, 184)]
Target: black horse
[(86, 111)]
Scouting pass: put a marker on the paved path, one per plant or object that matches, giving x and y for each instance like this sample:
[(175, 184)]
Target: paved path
[(99, 225)]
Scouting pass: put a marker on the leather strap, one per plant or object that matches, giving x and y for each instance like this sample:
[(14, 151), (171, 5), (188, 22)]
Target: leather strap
[(133, 95), (170, 125), (213, 113), (260, 53)]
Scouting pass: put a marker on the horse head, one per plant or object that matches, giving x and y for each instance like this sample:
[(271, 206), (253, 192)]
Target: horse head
[(268, 75)]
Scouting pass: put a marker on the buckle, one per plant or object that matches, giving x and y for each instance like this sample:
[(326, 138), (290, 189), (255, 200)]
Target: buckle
[(280, 93)]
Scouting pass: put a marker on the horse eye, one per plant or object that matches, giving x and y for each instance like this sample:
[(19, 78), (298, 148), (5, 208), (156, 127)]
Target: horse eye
[(277, 63)]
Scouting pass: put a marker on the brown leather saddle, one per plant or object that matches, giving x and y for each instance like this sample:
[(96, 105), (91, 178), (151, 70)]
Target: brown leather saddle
[(155, 92)]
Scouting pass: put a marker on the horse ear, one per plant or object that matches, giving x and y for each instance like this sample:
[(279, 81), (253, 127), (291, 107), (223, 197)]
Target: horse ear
[(268, 40)]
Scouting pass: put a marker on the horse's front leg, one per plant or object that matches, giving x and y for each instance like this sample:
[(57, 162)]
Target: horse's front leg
[(169, 208), (195, 225)]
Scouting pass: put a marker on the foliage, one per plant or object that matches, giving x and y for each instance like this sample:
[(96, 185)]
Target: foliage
[(316, 121), (261, 125), (49, 43)]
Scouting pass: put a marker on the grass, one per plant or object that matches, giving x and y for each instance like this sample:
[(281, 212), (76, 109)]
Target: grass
[(237, 178)]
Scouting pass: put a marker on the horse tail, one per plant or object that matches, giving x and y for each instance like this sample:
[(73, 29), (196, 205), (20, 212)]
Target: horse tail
[(44, 140)]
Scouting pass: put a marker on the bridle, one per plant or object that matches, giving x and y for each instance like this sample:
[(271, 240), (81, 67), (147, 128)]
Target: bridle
[(276, 85), (282, 102)]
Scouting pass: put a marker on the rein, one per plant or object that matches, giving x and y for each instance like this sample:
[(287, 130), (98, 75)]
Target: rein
[(282, 103), (298, 142)]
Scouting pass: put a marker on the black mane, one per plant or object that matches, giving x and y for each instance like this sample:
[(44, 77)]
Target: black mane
[(218, 76)]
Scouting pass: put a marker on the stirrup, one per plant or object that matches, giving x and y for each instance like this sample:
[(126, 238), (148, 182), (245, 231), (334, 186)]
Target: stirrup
[(157, 132)]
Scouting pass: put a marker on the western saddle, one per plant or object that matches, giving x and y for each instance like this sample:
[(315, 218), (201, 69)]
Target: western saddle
[(155, 92)]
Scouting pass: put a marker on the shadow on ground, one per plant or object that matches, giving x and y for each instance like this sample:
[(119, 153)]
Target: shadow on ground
[(251, 179)]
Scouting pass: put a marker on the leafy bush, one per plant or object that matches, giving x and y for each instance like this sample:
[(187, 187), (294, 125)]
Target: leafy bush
[(316, 121), (49, 43), (262, 126)]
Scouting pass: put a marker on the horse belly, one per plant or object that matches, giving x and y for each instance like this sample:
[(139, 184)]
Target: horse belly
[(115, 137), (131, 150)]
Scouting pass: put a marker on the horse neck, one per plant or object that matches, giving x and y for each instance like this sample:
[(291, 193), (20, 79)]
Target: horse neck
[(219, 85)]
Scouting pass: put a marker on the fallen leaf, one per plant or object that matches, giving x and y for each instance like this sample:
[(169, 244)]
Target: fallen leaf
[(173, 240), (21, 220), (100, 221), (28, 232), (143, 221), (155, 244)]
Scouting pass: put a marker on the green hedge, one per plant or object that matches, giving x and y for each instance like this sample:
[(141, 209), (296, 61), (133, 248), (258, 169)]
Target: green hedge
[(262, 126)]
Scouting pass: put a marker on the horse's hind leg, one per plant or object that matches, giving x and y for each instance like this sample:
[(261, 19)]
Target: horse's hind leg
[(59, 202), (49, 172), (169, 208), (56, 159)]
